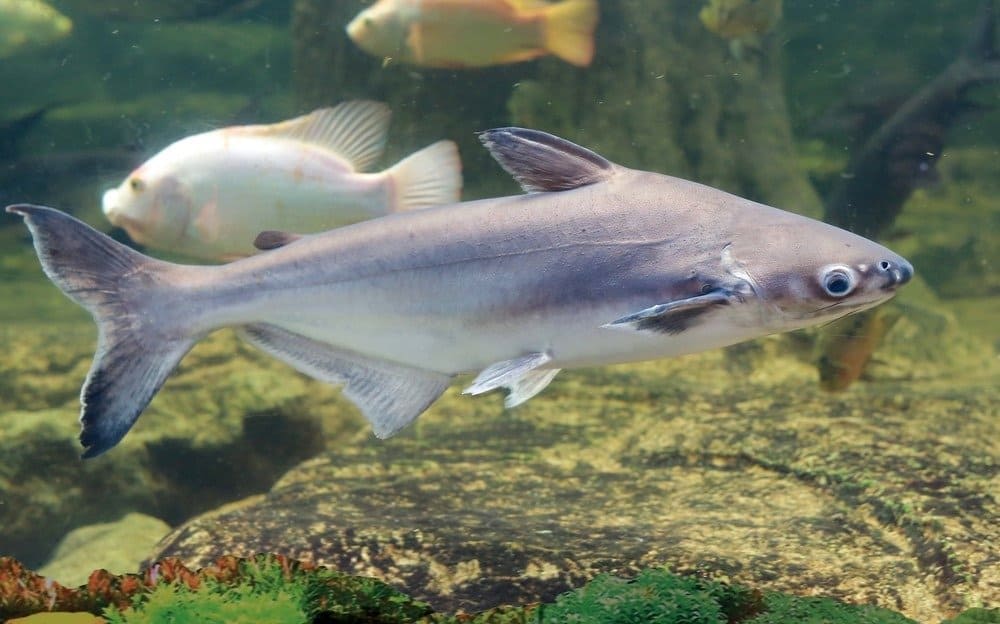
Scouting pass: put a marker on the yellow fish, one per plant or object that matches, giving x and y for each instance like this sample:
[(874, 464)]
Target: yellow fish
[(733, 19), (476, 33), (30, 24)]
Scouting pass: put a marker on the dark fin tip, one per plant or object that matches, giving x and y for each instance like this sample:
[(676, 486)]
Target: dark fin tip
[(673, 323), (122, 381), (273, 239), (24, 210), (540, 161)]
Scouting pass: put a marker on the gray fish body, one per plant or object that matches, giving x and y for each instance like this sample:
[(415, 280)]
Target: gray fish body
[(457, 288), (612, 265)]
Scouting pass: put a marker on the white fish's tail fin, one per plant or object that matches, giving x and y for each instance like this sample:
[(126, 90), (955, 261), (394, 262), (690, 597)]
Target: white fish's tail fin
[(124, 291), (430, 177), (569, 30)]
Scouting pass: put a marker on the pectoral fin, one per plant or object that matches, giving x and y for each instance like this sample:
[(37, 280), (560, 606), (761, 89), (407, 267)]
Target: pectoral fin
[(521, 376), (528, 386), (675, 316), (390, 395)]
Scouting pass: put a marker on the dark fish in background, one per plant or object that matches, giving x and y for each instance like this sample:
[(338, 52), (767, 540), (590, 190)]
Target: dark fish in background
[(45, 175), (12, 132), (863, 108), (901, 154), (898, 158), (162, 10)]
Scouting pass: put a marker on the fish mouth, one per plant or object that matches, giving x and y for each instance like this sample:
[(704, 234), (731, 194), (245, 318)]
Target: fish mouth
[(896, 273), (109, 205)]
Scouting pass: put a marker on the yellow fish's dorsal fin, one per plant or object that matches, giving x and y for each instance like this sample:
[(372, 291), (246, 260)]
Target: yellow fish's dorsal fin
[(356, 130)]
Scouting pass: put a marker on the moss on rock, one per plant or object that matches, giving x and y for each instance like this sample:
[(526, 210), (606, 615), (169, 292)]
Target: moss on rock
[(277, 590)]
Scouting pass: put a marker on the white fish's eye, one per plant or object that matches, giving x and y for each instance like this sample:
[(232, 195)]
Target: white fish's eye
[(136, 185), (837, 281)]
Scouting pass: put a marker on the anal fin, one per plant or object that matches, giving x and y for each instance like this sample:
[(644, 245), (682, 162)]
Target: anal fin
[(390, 395)]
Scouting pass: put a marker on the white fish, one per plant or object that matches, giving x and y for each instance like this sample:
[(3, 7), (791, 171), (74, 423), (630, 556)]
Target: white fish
[(598, 264), (210, 194)]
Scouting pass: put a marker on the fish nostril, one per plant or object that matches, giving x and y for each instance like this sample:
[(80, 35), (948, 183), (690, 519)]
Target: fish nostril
[(898, 273)]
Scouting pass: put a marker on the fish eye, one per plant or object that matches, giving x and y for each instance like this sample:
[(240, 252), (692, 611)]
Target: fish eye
[(136, 184), (838, 282)]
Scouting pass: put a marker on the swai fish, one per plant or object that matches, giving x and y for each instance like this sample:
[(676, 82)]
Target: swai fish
[(208, 195), (26, 24), (597, 264), (476, 33)]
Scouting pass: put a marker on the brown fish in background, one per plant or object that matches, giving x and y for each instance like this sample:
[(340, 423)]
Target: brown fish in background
[(476, 33), (848, 345)]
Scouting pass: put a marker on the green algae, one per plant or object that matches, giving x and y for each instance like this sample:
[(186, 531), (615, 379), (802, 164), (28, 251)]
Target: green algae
[(266, 591), (976, 616), (244, 604), (278, 590), (655, 596)]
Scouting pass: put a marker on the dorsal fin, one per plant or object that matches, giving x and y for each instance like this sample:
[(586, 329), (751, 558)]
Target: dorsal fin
[(355, 130), (272, 239), (542, 162)]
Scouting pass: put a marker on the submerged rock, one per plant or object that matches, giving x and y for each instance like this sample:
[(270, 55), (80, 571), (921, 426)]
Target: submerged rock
[(118, 547), (883, 495), (227, 424)]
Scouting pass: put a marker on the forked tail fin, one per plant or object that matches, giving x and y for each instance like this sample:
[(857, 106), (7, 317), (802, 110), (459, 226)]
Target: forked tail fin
[(138, 345)]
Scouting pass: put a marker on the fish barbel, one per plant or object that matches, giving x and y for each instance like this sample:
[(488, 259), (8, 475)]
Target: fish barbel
[(597, 264)]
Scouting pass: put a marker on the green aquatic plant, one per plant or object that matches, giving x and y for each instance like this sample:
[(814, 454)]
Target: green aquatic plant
[(240, 604), (655, 596), (277, 590), (660, 597), (976, 616), (784, 608), (263, 594), (263, 590)]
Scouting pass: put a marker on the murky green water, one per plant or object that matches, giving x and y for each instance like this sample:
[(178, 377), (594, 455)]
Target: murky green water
[(733, 463)]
